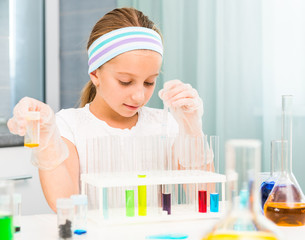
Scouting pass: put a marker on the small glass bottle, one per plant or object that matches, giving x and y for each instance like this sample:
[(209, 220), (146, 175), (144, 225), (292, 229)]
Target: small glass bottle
[(243, 219), (285, 205), (80, 215), (267, 185), (65, 216), (31, 138), (17, 211), (6, 210)]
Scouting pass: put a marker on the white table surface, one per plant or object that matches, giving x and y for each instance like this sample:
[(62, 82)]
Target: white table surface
[(44, 227)]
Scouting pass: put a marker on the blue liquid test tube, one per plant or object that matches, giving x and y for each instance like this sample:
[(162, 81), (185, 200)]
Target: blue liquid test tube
[(214, 202), (214, 196)]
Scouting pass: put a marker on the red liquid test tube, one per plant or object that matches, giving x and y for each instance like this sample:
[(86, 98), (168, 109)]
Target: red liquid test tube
[(202, 201)]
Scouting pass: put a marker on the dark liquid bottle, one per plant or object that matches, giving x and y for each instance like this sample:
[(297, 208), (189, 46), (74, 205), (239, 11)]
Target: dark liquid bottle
[(266, 188)]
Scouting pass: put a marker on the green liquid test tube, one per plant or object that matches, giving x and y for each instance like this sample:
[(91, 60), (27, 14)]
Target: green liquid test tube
[(6, 228), (129, 195), (142, 200)]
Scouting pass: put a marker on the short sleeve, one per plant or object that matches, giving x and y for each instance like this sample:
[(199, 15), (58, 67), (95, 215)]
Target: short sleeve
[(62, 122)]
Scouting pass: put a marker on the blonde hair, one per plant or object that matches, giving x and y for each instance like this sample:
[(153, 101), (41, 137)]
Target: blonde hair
[(115, 19)]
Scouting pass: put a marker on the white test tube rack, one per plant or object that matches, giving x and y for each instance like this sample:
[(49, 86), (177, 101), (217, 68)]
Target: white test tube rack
[(100, 182)]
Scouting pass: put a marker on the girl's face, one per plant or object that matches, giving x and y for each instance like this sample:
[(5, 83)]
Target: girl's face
[(127, 82)]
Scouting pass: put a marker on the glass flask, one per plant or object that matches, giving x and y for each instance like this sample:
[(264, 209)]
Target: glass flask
[(267, 185), (285, 205), (243, 219)]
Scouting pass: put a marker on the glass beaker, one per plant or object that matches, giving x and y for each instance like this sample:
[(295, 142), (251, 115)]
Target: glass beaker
[(6, 210), (268, 184), (285, 205), (243, 219)]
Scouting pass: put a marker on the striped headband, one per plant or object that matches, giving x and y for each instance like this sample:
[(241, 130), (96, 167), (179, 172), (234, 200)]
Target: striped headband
[(122, 40)]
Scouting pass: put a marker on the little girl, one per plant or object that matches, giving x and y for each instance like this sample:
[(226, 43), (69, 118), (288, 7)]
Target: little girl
[(125, 52)]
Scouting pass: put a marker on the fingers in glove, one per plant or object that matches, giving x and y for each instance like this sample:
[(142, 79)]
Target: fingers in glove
[(187, 104), (171, 84), (190, 94), (169, 94), (17, 127)]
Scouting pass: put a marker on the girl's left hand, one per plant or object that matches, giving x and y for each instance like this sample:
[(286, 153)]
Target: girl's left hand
[(185, 105)]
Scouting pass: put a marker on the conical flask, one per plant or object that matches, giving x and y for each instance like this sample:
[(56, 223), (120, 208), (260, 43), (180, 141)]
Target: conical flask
[(243, 219), (285, 205), (268, 184)]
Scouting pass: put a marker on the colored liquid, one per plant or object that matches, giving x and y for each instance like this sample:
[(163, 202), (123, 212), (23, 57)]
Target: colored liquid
[(142, 201), (266, 188), (241, 236), (6, 228), (285, 214), (129, 197), (166, 199), (214, 202), (31, 145), (202, 201)]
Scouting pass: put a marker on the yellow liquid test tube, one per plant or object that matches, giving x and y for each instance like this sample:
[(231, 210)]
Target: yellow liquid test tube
[(142, 198), (31, 138)]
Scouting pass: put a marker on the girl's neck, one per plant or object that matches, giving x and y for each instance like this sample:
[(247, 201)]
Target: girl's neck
[(102, 111)]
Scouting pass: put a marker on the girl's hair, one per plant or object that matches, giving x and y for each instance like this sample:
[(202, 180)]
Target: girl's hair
[(115, 19)]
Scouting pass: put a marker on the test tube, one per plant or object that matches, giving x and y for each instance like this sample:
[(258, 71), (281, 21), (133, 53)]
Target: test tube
[(65, 215), (130, 206), (214, 196), (80, 213), (202, 188), (142, 198), (6, 210), (17, 211), (31, 138)]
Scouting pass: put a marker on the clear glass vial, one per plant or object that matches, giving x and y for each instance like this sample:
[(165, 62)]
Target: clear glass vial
[(243, 219), (31, 138), (17, 211), (65, 216), (80, 213)]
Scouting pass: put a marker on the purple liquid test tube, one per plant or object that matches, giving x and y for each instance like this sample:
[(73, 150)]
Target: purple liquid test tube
[(166, 199)]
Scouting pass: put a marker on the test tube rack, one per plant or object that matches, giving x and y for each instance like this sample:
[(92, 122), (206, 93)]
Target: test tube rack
[(159, 170), (156, 178)]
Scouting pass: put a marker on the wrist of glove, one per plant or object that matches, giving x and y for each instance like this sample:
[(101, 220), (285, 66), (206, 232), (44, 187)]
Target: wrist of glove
[(185, 105), (52, 151)]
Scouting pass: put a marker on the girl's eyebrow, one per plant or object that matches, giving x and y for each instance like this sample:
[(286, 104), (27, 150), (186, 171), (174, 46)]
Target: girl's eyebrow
[(133, 75)]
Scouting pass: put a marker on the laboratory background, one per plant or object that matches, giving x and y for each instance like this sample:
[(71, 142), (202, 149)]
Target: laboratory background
[(240, 55)]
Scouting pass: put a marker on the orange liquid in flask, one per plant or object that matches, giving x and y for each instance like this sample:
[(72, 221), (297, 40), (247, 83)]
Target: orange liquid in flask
[(286, 214), (241, 236)]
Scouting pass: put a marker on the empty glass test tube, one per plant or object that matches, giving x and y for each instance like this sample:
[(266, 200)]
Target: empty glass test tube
[(31, 138)]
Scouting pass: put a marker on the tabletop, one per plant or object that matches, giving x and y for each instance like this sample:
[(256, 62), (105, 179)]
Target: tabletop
[(38, 227)]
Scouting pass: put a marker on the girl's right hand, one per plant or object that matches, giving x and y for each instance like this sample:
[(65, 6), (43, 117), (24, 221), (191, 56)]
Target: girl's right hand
[(52, 150), (17, 124)]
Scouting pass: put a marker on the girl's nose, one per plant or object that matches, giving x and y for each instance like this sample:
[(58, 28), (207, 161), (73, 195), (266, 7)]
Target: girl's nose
[(138, 95)]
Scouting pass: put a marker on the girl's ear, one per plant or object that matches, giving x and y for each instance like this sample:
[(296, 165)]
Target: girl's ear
[(94, 78)]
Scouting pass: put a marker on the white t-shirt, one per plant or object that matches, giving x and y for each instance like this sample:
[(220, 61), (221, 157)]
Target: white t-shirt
[(79, 124)]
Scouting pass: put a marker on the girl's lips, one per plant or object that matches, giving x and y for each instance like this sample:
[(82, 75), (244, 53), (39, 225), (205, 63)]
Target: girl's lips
[(131, 107)]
